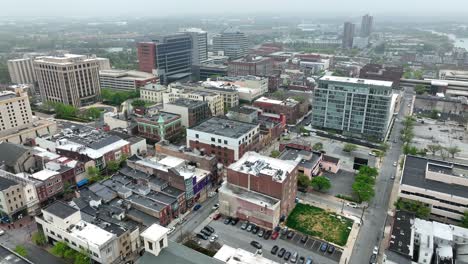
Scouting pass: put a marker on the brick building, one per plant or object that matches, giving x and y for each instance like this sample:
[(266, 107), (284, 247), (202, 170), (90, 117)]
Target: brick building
[(382, 73), (260, 189), (162, 125), (146, 56), (227, 139), (289, 107), (251, 65), (192, 112)]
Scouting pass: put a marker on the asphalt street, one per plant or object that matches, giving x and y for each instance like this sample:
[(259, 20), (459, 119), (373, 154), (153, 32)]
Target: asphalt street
[(375, 216)]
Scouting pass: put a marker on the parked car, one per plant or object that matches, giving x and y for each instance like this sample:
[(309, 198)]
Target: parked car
[(331, 249), (373, 259), (213, 238), (228, 220), (281, 252), (256, 245), (394, 164), (215, 207), (290, 234), (209, 229), (171, 230), (274, 249), (304, 239), (261, 232), (301, 260), (309, 260), (217, 216), (244, 225), (255, 229), (294, 257), (375, 250), (249, 227), (287, 255), (205, 232), (284, 231), (202, 236), (323, 247), (274, 235), (351, 204), (267, 234), (234, 221), (196, 207)]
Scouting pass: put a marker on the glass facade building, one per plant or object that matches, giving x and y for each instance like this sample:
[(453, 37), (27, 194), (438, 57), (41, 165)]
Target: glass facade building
[(355, 107)]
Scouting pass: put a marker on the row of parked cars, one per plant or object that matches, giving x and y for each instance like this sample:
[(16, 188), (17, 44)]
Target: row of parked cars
[(291, 256), (207, 233)]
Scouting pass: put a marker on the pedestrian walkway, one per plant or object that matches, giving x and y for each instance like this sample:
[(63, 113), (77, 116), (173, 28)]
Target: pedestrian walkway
[(348, 249)]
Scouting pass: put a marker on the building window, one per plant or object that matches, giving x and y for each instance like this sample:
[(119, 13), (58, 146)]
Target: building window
[(73, 243), (197, 136), (213, 139), (225, 142), (150, 245), (161, 243)]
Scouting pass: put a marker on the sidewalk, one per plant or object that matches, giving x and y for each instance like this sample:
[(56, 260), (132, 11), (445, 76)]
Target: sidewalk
[(348, 249)]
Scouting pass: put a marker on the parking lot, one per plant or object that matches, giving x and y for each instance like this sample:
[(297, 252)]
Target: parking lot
[(235, 237)]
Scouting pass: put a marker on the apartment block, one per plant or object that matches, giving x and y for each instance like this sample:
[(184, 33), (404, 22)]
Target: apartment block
[(21, 71), (200, 44), (251, 65), (69, 79), (359, 108), (15, 111), (192, 112), (289, 108), (231, 42), (178, 90), (153, 92)]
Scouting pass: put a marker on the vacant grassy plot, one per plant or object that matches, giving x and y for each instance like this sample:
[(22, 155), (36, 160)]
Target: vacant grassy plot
[(317, 222)]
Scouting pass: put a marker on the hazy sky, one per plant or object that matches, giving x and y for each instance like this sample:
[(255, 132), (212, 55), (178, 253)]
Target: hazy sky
[(87, 8)]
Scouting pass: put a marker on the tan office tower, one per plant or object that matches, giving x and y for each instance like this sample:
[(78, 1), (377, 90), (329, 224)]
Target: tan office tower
[(21, 71), (15, 110), (70, 79)]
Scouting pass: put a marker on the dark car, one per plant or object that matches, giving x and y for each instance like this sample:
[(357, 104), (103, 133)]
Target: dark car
[(227, 221), (287, 255), (261, 232), (331, 249), (267, 234), (202, 236), (196, 207), (373, 259), (234, 221), (323, 247), (205, 232), (209, 229), (301, 260), (274, 249), (284, 231), (256, 245), (290, 234), (304, 239), (281, 252), (255, 229)]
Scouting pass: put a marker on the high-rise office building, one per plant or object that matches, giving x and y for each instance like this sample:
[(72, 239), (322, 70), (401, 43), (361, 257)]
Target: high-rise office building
[(348, 35), (200, 44), (232, 42), (359, 108), (366, 25), (170, 56), (21, 71), (15, 110), (70, 79)]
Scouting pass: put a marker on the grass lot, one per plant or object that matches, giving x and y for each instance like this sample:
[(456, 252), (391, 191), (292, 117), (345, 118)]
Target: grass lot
[(319, 223)]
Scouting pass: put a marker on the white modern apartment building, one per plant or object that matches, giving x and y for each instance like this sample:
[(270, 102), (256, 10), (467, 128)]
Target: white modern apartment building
[(62, 222), (200, 44), (153, 92), (15, 110), (21, 70), (125, 80), (231, 42), (215, 100), (441, 185), (249, 87), (70, 79)]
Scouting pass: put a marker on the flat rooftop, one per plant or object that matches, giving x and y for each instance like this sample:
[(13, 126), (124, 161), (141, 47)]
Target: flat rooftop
[(64, 59), (166, 116), (60, 209), (255, 164), (44, 174), (91, 233), (188, 103), (225, 127), (251, 196), (307, 159), (146, 202), (356, 81), (400, 241), (5, 95), (126, 74), (415, 175), (6, 183), (155, 232)]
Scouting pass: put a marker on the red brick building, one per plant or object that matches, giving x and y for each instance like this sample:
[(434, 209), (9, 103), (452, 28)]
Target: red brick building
[(289, 107), (251, 65), (260, 178), (146, 56)]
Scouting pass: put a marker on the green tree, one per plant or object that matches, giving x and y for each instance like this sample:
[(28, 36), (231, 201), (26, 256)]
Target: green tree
[(464, 220), (113, 166), (82, 258), (320, 183), (303, 180), (418, 74), (303, 130), (420, 209), (434, 148), (317, 146), (384, 146), (93, 113), (138, 103), (348, 147), (21, 250), (59, 249), (69, 254), (454, 150), (420, 89), (65, 111), (94, 174), (364, 191), (434, 114), (39, 238), (274, 153), (369, 171)]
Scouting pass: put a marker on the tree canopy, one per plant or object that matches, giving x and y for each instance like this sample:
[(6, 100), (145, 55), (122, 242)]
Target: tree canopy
[(348, 147), (320, 183)]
